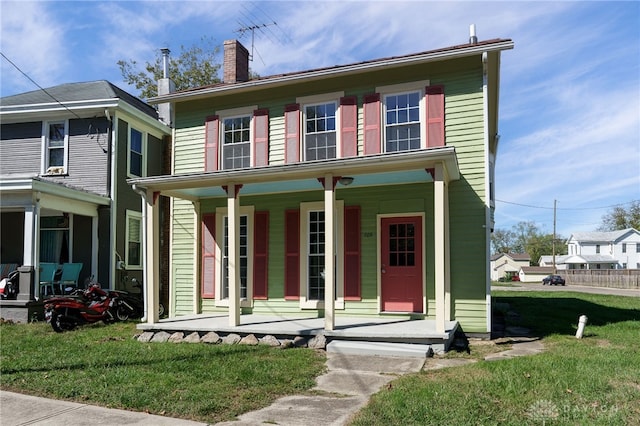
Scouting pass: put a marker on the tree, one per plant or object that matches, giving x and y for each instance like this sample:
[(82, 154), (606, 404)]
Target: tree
[(525, 237), (620, 218), (196, 66), (502, 241)]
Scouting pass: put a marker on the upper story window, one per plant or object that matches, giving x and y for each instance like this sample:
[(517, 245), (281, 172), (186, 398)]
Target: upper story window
[(320, 131), (597, 248), (402, 121), (624, 247), (56, 145), (637, 247), (136, 152), (236, 142)]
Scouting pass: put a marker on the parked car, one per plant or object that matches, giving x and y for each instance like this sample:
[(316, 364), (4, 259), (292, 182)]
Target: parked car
[(553, 280)]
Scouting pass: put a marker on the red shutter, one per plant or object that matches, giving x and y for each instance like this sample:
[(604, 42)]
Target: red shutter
[(292, 255), (349, 126), (208, 277), (292, 133), (371, 107), (211, 136), (261, 137), (434, 97), (352, 253), (260, 254)]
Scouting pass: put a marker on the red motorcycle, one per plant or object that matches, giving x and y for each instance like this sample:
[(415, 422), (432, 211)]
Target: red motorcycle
[(81, 307)]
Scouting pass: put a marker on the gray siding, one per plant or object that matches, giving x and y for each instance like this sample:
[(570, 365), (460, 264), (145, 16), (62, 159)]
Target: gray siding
[(88, 161), (20, 148)]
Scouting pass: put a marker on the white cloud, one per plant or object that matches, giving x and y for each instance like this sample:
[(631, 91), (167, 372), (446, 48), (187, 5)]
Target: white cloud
[(32, 40)]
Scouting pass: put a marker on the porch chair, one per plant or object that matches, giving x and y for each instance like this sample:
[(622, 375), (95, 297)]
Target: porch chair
[(70, 274), (47, 276)]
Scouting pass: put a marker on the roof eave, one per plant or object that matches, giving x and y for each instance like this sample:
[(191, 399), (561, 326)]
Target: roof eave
[(334, 72)]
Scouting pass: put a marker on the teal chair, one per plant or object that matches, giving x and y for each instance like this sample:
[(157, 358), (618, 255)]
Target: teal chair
[(47, 278), (70, 274)]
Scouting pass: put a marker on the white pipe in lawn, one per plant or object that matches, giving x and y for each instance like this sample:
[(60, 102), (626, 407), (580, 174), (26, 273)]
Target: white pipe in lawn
[(582, 321)]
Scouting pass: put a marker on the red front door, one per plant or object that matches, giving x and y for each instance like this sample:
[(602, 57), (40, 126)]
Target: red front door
[(401, 264)]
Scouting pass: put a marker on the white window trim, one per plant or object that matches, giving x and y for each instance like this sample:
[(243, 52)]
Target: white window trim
[(132, 214), (323, 98), (399, 89), (225, 114), (144, 151), (221, 213), (44, 167), (305, 208)]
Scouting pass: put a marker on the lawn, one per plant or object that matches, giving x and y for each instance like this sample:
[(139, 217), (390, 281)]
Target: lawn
[(104, 365), (591, 381)]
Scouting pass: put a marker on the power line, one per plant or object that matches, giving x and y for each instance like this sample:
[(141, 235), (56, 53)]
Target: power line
[(566, 208), (40, 87)]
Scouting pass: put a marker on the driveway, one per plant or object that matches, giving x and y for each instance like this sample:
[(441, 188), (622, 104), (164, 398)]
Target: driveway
[(577, 288)]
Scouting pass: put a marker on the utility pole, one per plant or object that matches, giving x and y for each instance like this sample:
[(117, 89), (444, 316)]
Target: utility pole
[(553, 242)]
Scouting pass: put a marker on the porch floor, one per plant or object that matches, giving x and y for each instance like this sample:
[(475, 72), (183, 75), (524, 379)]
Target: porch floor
[(366, 329)]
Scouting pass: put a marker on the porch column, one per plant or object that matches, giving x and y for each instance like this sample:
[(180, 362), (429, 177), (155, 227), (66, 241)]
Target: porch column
[(233, 212), (31, 250), (441, 248), (30, 256), (151, 212), (329, 252)]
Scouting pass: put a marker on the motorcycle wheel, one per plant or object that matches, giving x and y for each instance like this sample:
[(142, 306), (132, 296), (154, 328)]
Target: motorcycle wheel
[(122, 313), (58, 325)]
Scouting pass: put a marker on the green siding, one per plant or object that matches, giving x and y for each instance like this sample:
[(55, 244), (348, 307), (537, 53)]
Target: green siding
[(462, 79)]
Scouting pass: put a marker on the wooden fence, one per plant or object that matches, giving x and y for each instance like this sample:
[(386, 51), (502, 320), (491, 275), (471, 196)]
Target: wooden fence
[(614, 278)]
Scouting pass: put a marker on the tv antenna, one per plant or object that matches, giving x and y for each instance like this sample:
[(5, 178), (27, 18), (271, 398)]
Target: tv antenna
[(246, 28)]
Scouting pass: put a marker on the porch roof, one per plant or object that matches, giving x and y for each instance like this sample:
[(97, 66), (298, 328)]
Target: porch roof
[(371, 170)]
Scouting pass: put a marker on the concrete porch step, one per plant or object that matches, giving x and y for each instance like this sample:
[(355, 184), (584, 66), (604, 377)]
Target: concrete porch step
[(351, 347)]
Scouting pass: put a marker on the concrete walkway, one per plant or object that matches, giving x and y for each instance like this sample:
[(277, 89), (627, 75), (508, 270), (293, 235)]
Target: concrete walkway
[(340, 393), (345, 388), (17, 409)]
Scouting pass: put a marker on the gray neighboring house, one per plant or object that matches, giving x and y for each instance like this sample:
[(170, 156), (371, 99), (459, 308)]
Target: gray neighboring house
[(65, 155)]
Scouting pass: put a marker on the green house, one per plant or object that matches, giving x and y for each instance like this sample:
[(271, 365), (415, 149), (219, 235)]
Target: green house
[(361, 190)]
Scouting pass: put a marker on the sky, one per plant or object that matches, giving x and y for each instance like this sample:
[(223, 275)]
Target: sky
[(569, 95)]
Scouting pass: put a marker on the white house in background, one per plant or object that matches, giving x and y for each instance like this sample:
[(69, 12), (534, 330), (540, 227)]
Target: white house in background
[(534, 274), (508, 264), (547, 260), (604, 250)]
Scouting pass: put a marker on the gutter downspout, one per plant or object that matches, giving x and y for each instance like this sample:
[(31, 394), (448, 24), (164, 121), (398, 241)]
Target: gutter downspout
[(487, 218), (143, 199)]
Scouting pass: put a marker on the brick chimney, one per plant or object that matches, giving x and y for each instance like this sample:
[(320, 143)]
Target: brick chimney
[(235, 62)]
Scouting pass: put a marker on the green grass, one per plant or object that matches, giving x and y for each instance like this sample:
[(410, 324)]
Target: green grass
[(104, 365), (591, 381)]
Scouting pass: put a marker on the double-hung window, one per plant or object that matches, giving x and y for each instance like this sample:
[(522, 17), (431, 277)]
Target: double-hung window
[(236, 142), (402, 121), (56, 136), (136, 153), (133, 253), (244, 258), (313, 251), (315, 255), (224, 257), (320, 131)]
